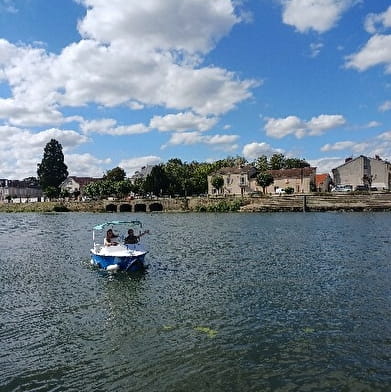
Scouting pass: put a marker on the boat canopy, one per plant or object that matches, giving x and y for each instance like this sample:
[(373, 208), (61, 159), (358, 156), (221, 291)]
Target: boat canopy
[(134, 223)]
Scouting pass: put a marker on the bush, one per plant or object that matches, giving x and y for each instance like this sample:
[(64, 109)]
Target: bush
[(289, 190), (221, 206), (60, 208)]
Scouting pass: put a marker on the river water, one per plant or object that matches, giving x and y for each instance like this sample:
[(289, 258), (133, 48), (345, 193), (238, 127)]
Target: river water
[(230, 302)]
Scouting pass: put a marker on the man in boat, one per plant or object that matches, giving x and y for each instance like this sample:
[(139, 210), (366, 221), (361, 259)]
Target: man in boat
[(110, 238), (132, 238)]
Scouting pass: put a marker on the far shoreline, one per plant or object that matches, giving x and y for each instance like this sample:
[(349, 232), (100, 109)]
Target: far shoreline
[(265, 203)]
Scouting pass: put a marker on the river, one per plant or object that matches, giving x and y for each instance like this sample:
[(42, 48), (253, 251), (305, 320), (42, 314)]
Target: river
[(230, 302)]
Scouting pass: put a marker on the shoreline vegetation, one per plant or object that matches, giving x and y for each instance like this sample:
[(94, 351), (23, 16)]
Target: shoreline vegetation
[(263, 203)]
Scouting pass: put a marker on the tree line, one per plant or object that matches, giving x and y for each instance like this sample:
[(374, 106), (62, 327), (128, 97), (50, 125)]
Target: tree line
[(173, 178)]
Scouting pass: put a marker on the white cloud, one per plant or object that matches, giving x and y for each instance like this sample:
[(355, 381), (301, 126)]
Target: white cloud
[(378, 145), (338, 146), (8, 6), (373, 124), (292, 125), (281, 127), (183, 122), (85, 165), (131, 165), (315, 48), (385, 106), (318, 15), (190, 25), (108, 126), (255, 150), (221, 142), (377, 51), (325, 165), (324, 122), (133, 55), (375, 22), (21, 150)]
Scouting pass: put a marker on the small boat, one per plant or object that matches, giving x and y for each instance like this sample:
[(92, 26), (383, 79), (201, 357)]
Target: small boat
[(122, 256)]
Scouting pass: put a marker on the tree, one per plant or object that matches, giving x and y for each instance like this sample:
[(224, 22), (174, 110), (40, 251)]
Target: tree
[(261, 163), (295, 163), (157, 181), (264, 180), (52, 170), (116, 174), (217, 182), (277, 161)]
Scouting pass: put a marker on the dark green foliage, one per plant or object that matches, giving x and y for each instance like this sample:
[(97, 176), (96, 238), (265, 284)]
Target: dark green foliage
[(264, 180), (116, 174), (60, 208), (289, 190), (217, 182), (52, 171), (221, 206)]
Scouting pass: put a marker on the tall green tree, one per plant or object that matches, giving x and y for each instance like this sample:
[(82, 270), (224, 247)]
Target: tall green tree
[(295, 163), (52, 170), (277, 161), (261, 163), (217, 182), (264, 180), (115, 175)]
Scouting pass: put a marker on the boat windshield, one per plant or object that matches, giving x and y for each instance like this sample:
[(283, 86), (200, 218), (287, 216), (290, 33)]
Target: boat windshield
[(121, 227)]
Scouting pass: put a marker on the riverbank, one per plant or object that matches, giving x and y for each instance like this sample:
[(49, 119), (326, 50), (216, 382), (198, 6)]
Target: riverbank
[(310, 202)]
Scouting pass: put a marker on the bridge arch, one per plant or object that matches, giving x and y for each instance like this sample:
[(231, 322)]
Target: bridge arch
[(125, 208), (111, 208), (155, 207), (140, 208)]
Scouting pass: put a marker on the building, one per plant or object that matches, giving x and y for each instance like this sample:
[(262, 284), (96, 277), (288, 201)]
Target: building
[(364, 171), (141, 174), (302, 180), (323, 182), (74, 184), (22, 190), (237, 180)]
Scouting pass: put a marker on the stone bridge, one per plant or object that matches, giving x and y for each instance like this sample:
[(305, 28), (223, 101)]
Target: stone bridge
[(146, 205)]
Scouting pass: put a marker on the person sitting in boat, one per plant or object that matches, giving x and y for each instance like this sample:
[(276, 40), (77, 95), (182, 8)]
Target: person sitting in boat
[(110, 238), (132, 238)]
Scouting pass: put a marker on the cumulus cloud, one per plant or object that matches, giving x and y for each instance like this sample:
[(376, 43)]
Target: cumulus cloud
[(190, 26), (315, 48), (338, 146), (21, 150), (292, 125), (86, 165), (182, 122), (131, 54), (131, 165), (8, 6), (377, 51), (384, 107), (327, 164), (378, 145), (220, 142), (108, 126), (255, 150), (378, 22), (318, 15)]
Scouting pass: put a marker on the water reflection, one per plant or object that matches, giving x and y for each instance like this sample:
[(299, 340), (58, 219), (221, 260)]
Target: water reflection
[(271, 302)]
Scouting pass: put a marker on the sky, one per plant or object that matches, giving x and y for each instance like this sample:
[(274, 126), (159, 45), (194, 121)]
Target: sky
[(131, 83)]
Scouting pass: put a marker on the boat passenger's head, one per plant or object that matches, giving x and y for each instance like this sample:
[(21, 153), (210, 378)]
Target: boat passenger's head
[(130, 231)]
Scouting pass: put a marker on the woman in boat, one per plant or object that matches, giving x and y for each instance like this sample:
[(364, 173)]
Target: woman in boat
[(132, 238), (110, 238)]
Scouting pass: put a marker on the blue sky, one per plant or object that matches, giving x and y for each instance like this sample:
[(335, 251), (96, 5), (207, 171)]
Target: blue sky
[(128, 83)]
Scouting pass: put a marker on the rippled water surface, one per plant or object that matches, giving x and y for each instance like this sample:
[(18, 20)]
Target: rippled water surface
[(230, 302)]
